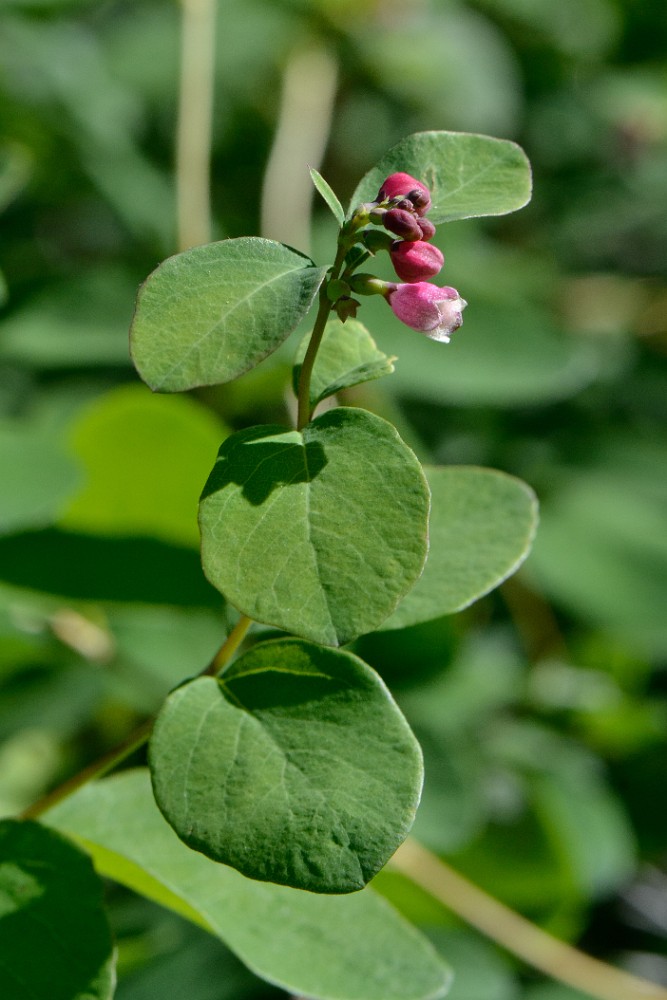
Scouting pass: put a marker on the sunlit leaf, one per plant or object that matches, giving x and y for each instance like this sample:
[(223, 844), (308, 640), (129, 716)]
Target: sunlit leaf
[(319, 532), (211, 313), (468, 175)]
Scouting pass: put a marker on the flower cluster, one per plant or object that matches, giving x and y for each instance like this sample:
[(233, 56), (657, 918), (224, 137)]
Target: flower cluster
[(400, 207)]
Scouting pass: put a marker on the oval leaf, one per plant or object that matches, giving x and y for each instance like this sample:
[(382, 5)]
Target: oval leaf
[(347, 356), (55, 942), (294, 767), (211, 313), (353, 947), (319, 532), (468, 175), (481, 528)]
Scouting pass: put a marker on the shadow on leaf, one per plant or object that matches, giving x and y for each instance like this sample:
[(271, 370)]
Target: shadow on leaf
[(263, 458)]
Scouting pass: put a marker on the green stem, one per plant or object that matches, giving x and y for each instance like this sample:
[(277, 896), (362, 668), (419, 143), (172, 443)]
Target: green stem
[(304, 408), (98, 768), (229, 647)]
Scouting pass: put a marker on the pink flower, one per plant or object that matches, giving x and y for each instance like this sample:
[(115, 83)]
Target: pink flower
[(405, 186), (427, 308), (415, 261)]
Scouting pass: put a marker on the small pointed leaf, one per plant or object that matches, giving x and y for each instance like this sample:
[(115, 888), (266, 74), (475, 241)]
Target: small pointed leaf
[(468, 175), (481, 528), (295, 767), (55, 942), (327, 193), (347, 356), (211, 313), (320, 531), (352, 947)]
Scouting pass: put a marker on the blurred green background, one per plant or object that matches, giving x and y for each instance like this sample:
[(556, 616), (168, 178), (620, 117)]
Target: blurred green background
[(541, 708)]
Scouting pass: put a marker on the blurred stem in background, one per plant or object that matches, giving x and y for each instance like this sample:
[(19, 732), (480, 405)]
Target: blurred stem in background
[(519, 936), (195, 114), (304, 123)]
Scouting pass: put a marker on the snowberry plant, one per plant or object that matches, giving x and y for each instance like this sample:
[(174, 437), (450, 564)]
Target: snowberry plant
[(289, 766)]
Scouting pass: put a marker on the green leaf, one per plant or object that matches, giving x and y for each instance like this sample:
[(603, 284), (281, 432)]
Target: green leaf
[(192, 966), (353, 947), (555, 991), (38, 476), (211, 313), (347, 356), (586, 821), (81, 321), (146, 457), (295, 767), (55, 942), (15, 169), (602, 546), (481, 527), (319, 531), (482, 972), (94, 568), (468, 175), (329, 196), (506, 354)]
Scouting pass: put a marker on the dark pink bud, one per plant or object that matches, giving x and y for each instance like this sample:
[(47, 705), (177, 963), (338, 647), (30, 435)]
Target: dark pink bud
[(405, 186), (416, 261), (402, 223), (421, 199), (433, 311), (427, 228)]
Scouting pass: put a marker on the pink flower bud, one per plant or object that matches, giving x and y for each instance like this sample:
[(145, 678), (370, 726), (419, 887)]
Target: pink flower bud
[(427, 308), (402, 223), (416, 261), (405, 186), (427, 228)]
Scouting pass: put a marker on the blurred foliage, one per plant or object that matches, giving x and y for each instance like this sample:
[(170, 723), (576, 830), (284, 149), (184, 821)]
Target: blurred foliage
[(541, 709)]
